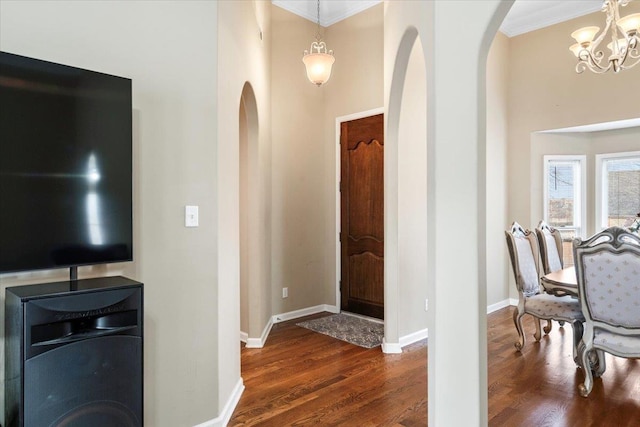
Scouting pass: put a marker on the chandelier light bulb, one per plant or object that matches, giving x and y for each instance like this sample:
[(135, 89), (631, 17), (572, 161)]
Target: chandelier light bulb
[(620, 47)]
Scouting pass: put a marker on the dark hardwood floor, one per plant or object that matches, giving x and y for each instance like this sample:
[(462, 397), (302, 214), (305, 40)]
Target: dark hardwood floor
[(539, 386), (304, 378)]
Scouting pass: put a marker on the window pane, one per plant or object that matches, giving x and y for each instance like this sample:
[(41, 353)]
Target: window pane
[(563, 182), (623, 190), (561, 193)]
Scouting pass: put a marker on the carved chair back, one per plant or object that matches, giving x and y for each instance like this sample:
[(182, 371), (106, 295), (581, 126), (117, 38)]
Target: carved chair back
[(608, 272), (550, 242), (523, 251)]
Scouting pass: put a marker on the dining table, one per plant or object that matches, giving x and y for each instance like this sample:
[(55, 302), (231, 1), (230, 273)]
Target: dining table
[(561, 282)]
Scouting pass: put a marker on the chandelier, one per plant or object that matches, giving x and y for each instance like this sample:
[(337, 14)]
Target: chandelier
[(317, 60), (624, 45)]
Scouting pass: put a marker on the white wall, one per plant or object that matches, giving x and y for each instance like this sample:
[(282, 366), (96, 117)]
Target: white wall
[(497, 178), (304, 148), (244, 31), (412, 197), (456, 171), (298, 220), (174, 99), (186, 141)]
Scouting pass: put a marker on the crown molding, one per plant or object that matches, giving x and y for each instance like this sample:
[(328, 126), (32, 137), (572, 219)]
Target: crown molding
[(330, 11), (531, 15)]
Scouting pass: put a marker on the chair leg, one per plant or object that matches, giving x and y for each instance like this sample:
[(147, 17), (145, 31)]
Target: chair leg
[(602, 364), (517, 319), (586, 387), (538, 333), (578, 330), (547, 328)]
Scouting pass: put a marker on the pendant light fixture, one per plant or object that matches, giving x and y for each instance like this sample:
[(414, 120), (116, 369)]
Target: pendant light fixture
[(624, 45), (317, 60)]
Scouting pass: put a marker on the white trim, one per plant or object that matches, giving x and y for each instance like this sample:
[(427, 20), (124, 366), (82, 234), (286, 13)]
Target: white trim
[(391, 348), (598, 127), (331, 13), (259, 342), (244, 336), (224, 418), (277, 318), (339, 120), (601, 203), (414, 337), (499, 305)]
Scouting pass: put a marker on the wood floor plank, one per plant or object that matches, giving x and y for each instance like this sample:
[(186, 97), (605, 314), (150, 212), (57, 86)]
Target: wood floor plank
[(303, 378)]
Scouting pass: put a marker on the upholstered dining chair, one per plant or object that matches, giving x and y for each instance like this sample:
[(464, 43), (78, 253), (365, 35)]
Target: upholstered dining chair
[(608, 273), (550, 243), (523, 251)]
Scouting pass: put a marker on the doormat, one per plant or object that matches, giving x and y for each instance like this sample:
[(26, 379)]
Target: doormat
[(355, 330)]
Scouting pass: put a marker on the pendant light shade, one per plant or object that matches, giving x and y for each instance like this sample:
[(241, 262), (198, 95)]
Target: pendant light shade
[(317, 60), (319, 65)]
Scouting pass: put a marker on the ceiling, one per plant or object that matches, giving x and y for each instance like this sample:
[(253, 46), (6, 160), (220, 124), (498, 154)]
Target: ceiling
[(524, 16)]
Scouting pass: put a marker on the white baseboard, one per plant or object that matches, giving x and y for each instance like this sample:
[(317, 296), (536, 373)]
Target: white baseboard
[(304, 312), (259, 342), (391, 348), (501, 304), (414, 337), (244, 336), (223, 419)]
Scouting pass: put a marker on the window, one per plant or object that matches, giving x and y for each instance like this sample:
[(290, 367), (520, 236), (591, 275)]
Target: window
[(564, 198), (617, 189)]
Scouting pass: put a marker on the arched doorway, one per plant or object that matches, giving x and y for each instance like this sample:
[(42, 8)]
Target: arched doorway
[(251, 254), (456, 193)]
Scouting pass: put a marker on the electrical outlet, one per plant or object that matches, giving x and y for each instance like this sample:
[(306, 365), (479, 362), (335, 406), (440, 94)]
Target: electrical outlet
[(426, 304), (285, 292)]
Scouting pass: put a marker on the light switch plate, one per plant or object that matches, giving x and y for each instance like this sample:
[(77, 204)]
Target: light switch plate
[(190, 216)]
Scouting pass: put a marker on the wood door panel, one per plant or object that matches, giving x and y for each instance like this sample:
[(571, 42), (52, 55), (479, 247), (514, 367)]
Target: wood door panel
[(365, 195), (362, 216), (366, 244), (369, 267)]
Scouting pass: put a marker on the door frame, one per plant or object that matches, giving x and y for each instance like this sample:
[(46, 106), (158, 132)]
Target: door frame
[(339, 120)]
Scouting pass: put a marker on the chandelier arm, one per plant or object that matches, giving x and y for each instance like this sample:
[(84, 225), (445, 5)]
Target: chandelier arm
[(593, 63), (624, 46), (632, 64), (610, 19)]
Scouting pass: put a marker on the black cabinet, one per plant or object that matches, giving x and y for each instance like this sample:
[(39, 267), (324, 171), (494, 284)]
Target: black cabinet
[(73, 353)]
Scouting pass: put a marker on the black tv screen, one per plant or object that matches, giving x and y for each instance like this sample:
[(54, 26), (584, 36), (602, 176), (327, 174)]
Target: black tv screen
[(65, 166)]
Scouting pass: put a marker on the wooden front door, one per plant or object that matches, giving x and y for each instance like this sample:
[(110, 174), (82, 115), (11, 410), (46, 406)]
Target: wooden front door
[(362, 220)]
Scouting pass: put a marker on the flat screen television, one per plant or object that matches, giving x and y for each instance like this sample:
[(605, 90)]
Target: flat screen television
[(65, 166)]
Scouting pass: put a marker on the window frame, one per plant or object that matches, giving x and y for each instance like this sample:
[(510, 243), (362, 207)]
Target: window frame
[(580, 195), (601, 205)]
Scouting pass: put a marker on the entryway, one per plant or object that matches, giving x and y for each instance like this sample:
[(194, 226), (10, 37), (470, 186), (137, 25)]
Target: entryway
[(362, 216)]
